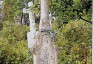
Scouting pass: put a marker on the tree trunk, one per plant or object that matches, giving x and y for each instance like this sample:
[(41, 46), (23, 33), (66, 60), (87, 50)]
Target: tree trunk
[(44, 21), (44, 51)]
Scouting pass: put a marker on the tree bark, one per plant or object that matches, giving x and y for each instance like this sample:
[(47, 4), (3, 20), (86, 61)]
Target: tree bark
[(44, 20), (44, 51)]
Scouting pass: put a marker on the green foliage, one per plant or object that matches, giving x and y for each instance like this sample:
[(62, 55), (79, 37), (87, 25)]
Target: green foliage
[(67, 10), (1, 26), (12, 9), (73, 35), (13, 44), (74, 39)]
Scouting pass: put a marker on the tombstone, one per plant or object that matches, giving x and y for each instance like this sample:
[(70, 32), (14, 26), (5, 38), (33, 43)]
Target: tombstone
[(40, 42), (31, 34), (45, 52)]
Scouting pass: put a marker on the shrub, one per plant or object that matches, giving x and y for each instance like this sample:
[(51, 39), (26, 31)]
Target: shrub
[(13, 44), (74, 39)]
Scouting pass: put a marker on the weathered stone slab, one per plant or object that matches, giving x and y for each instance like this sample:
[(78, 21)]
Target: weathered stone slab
[(31, 40), (46, 52)]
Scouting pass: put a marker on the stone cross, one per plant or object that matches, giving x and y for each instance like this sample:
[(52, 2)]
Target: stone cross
[(31, 34)]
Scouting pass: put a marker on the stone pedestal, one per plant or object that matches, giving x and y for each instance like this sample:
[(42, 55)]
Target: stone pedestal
[(45, 51)]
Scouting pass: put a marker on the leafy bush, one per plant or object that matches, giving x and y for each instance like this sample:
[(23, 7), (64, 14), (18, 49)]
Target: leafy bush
[(13, 44), (74, 39)]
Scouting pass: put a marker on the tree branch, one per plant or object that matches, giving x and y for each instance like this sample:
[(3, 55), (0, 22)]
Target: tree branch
[(85, 20)]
